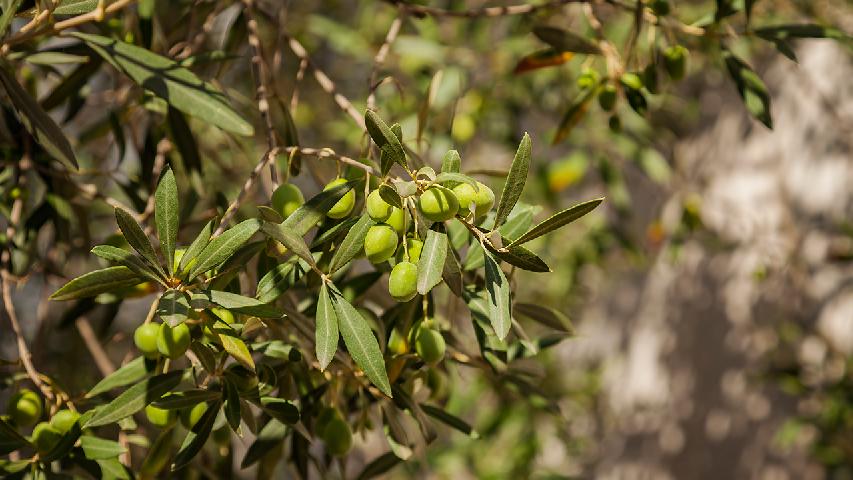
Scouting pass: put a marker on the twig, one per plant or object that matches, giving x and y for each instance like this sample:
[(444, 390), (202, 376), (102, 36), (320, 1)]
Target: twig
[(102, 361), (479, 12), (260, 70), (379, 59), (95, 15), (232, 208), (329, 153)]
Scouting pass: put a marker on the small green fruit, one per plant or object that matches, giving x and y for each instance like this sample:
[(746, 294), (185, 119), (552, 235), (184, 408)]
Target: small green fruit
[(45, 437), (380, 243), (191, 416), (377, 208), (160, 417), (323, 418), (337, 436), (63, 420), (660, 7), (25, 407), (430, 345), (483, 198), (286, 199), (244, 379), (172, 342), (398, 220), (675, 61), (607, 97), (397, 342), (588, 78), (438, 204), (145, 338), (413, 247), (403, 281), (345, 204)]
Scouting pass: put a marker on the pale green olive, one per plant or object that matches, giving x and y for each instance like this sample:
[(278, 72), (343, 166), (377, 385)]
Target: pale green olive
[(380, 243), (438, 204), (345, 204)]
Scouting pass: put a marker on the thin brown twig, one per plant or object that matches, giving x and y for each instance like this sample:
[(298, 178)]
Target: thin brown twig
[(479, 12), (96, 15), (102, 360), (381, 54), (260, 72)]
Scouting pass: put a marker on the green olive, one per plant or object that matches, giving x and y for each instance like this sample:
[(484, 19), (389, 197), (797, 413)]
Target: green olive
[(145, 338), (430, 345), (244, 379), (160, 417), (25, 407), (380, 243), (172, 342), (483, 198), (397, 342), (191, 416), (398, 220), (337, 436), (286, 199), (675, 61), (615, 124), (45, 437), (437, 383), (607, 97), (438, 204), (345, 204), (377, 207), (413, 248), (660, 7), (403, 281), (63, 420)]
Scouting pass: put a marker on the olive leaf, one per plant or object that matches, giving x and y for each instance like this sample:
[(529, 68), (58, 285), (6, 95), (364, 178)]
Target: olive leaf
[(177, 85), (565, 41), (391, 150), (389, 193), (498, 297), (191, 253), (548, 57), (131, 372), (361, 344), (220, 248), (173, 307), (95, 448), (75, 7), (275, 282), (135, 399), (306, 216), (451, 163), (558, 220), (43, 129), (137, 238), (515, 181), (545, 315), (379, 465), (10, 439), (185, 399), (196, 437), (326, 334), (166, 216), (280, 409), (97, 282), (573, 115), (238, 303), (290, 239), (129, 260), (432, 261), (450, 420), (231, 405), (10, 7), (271, 436), (233, 344), (756, 97), (352, 244)]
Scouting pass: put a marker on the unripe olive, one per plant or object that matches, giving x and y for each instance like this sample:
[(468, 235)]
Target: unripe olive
[(323, 418), (588, 78), (438, 204), (378, 209), (337, 436), (403, 281), (413, 249), (45, 437), (25, 407), (607, 97), (437, 383), (397, 220), (397, 342), (675, 61), (172, 342), (380, 243), (160, 417), (244, 379), (145, 338), (63, 420), (430, 345), (660, 7), (345, 204), (286, 199), (650, 78), (483, 198), (191, 416)]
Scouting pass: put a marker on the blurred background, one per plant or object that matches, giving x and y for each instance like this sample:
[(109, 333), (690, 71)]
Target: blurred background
[(711, 296)]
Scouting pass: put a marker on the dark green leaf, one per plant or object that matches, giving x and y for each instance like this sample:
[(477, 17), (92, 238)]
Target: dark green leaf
[(545, 315), (520, 257), (223, 246), (379, 465), (306, 217), (112, 469), (326, 335), (137, 238), (785, 32), (389, 193), (452, 274), (166, 215), (131, 372), (276, 282), (333, 232), (514, 181), (186, 399), (169, 81), (448, 419), (558, 220), (565, 41), (196, 247), (95, 448), (239, 303), (173, 307), (361, 343), (290, 239), (391, 150), (196, 437), (725, 8), (271, 436), (96, 282), (10, 439), (129, 260), (352, 245), (280, 409), (431, 263), (232, 405), (498, 297), (751, 88), (135, 398)]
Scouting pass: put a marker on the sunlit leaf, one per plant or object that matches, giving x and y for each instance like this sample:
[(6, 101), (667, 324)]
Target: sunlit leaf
[(558, 220), (432, 261), (97, 282), (326, 335), (135, 398), (514, 181)]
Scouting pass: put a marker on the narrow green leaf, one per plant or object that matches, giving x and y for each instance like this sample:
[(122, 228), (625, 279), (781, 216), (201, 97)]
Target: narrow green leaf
[(280, 409), (166, 216), (558, 220), (451, 179), (233, 344), (725, 8), (9, 10), (515, 180), (565, 41), (137, 238), (239, 303), (166, 79), (756, 97), (352, 245), (520, 257), (43, 129), (196, 437), (223, 246), (187, 398), (389, 193), (135, 398), (545, 315), (112, 469), (75, 7), (173, 307), (290, 239), (449, 419), (362, 345), (452, 162), (95, 448), (66, 441), (432, 261), (573, 115), (159, 453), (379, 465), (784, 32), (498, 297), (55, 58), (129, 260), (10, 439), (271, 436), (333, 232), (391, 150), (451, 273), (97, 282), (200, 241), (231, 405), (131, 372), (275, 282), (205, 355), (326, 334), (306, 217)]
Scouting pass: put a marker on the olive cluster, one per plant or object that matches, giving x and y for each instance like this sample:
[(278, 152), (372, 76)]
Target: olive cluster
[(26, 408)]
